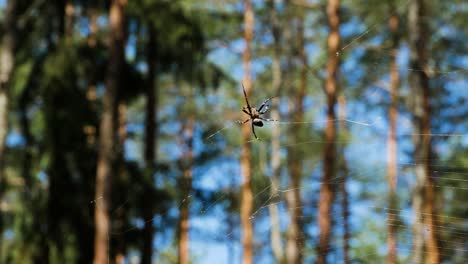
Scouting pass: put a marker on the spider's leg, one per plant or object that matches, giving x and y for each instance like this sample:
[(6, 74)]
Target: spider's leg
[(268, 119), (243, 110), (253, 130), (264, 109), (263, 104), (243, 122), (246, 100)]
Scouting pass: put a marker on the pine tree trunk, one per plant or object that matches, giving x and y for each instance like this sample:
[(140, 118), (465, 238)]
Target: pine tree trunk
[(295, 234), (392, 171), (246, 192), (276, 243), (107, 135), (344, 171), (7, 61), (424, 196), (326, 188), (121, 213), (187, 161), (150, 148)]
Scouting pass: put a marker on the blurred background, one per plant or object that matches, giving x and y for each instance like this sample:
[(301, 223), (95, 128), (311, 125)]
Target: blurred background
[(121, 142)]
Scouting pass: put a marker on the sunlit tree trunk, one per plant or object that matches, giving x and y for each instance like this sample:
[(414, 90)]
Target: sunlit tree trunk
[(326, 188), (392, 169), (7, 61), (276, 243), (186, 187), (423, 197), (150, 149), (295, 234), (246, 192), (107, 132), (344, 179)]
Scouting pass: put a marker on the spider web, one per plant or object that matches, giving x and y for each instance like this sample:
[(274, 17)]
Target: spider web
[(214, 230)]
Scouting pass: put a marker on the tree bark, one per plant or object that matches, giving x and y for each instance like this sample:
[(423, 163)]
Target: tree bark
[(424, 196), (295, 235), (186, 182), (276, 243), (121, 212), (107, 135), (7, 62), (246, 192), (150, 147), (392, 167), (326, 188)]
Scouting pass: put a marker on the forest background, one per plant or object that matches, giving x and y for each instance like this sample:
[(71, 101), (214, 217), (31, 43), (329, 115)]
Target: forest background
[(121, 142)]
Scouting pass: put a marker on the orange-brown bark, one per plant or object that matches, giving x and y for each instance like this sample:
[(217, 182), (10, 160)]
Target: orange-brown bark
[(107, 135), (392, 140), (186, 182), (246, 192), (326, 188)]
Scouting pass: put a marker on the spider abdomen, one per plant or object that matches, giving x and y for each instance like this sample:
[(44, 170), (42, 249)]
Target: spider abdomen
[(257, 122)]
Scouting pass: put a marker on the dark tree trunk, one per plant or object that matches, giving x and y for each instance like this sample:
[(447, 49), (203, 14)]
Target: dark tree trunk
[(107, 135), (326, 188), (246, 192), (424, 196), (150, 148)]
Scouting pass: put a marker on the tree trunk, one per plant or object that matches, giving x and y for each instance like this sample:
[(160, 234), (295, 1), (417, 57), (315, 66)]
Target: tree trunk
[(344, 171), (7, 61), (121, 212), (392, 169), (69, 19), (276, 243), (295, 235), (107, 136), (150, 148), (423, 196), (186, 182), (326, 188), (246, 192)]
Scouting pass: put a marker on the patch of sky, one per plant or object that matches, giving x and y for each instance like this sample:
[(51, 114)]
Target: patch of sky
[(224, 175), (352, 28), (130, 48), (14, 138), (132, 150), (82, 26), (102, 21), (215, 252)]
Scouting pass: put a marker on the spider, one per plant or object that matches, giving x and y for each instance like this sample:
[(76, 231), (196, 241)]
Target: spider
[(255, 114)]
